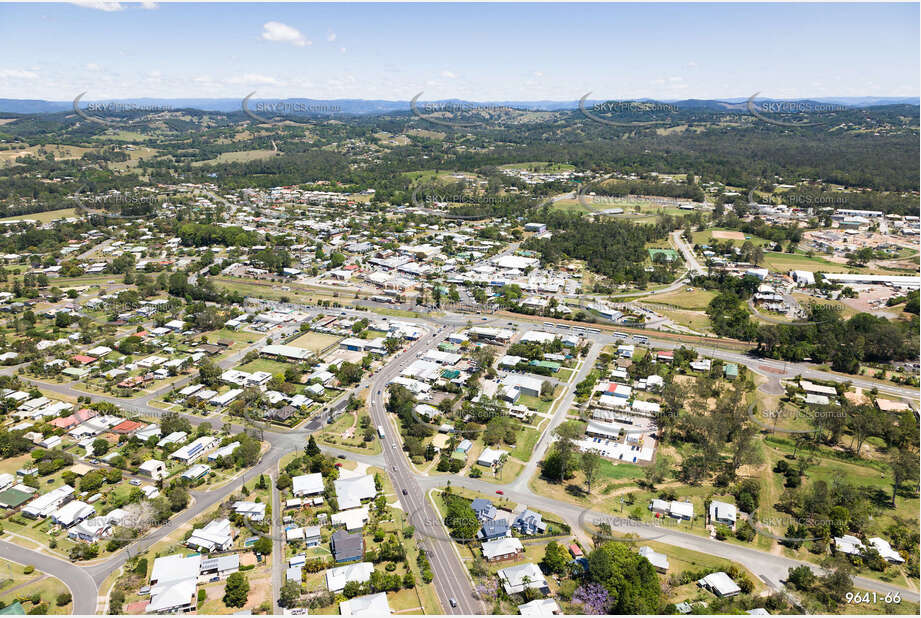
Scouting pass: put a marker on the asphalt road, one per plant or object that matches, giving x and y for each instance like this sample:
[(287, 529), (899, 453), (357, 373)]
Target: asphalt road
[(450, 573), (451, 580)]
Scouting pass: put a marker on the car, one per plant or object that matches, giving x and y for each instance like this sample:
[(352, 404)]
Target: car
[(134, 482), (338, 465), (452, 602), (340, 456), (393, 446), (394, 468), (405, 493), (500, 492)]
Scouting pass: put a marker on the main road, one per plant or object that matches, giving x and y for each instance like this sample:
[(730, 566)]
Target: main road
[(451, 579)]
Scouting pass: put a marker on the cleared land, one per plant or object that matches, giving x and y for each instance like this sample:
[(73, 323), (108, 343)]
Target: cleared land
[(315, 341), (45, 217)]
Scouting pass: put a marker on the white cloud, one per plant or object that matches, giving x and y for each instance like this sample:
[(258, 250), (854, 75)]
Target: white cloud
[(17, 74), (278, 32), (448, 74), (331, 37), (98, 5), (253, 79)]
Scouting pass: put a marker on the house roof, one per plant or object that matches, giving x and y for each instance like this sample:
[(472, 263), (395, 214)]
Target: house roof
[(350, 492), (501, 547), (346, 545), (368, 605), (338, 577)]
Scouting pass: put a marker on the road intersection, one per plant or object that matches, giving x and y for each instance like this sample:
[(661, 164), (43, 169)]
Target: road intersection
[(451, 578)]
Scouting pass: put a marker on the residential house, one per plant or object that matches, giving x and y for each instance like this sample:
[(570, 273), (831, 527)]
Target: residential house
[(529, 522), (173, 583), (368, 605), (217, 535), (720, 584), (338, 577), (515, 579), (346, 546), (722, 513), (506, 548), (658, 561)]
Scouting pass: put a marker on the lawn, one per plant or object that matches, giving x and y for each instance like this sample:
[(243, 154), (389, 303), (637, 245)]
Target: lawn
[(524, 445), (15, 584), (538, 403), (697, 300), (264, 364)]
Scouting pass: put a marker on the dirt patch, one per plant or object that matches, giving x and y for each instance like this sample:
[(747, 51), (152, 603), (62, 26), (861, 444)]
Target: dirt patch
[(728, 235)]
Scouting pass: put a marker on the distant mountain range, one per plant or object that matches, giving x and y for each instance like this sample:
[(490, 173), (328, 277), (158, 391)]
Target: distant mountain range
[(378, 106)]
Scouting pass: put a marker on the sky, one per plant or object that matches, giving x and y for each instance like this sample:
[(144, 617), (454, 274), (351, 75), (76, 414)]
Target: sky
[(477, 52)]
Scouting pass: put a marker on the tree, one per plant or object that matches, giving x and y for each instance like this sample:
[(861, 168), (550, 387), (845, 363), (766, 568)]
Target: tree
[(263, 546), (629, 578), (236, 591), (904, 464), (100, 447), (546, 389), (290, 594), (312, 447), (556, 558), (591, 466), (209, 373)]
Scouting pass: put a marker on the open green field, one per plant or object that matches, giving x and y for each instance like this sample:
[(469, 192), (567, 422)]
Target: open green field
[(264, 364), (45, 217), (315, 341), (242, 156), (527, 438), (696, 300), (705, 237)]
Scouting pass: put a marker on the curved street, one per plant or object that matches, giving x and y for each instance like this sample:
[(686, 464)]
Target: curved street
[(451, 577)]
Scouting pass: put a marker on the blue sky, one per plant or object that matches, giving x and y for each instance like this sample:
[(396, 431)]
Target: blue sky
[(472, 51)]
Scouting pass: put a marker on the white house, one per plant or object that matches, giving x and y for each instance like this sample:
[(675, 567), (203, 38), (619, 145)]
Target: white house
[(338, 577), (307, 484), (514, 579), (722, 513), (154, 468), (720, 584), (368, 605), (72, 513), (216, 536), (350, 492), (195, 449)]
